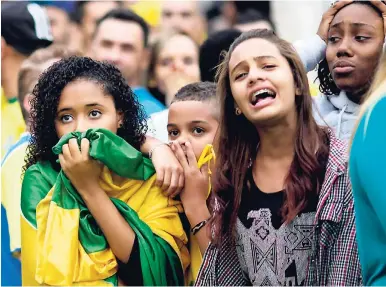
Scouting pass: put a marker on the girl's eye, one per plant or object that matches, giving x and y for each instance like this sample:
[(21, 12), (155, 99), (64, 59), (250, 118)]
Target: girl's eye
[(66, 118), (198, 131), (269, 67), (95, 114), (188, 60), (173, 133), (166, 62), (239, 76), (361, 38), (333, 39)]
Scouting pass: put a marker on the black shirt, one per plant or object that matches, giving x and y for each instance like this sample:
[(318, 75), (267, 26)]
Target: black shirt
[(270, 252)]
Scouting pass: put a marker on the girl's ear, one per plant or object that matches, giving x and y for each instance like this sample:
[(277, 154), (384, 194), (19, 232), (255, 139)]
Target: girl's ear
[(27, 102), (298, 92), (120, 119)]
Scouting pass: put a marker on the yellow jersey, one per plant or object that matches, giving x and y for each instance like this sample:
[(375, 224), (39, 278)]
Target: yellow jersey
[(12, 123), (148, 10)]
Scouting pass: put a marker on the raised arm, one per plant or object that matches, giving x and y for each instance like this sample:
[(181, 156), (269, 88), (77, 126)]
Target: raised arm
[(313, 49)]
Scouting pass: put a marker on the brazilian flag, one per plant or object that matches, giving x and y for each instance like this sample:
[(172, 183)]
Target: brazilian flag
[(61, 241)]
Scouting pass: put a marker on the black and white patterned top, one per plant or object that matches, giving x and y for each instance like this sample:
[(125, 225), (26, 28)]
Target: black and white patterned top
[(272, 253)]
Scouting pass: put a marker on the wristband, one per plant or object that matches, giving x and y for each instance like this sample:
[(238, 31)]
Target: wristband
[(198, 226)]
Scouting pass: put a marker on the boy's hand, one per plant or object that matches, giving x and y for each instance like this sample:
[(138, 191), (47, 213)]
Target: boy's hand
[(195, 192), (79, 167), (328, 16)]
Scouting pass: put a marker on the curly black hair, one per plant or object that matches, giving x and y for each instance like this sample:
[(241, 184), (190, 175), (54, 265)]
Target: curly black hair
[(48, 90), (327, 85)]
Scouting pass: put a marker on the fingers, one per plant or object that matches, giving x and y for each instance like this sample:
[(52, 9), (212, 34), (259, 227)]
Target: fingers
[(66, 152), (62, 161), (205, 173), (380, 5), (173, 184), (160, 177), (338, 5), (74, 149), (176, 147), (205, 170), (181, 184), (328, 16), (167, 180), (190, 154), (85, 148)]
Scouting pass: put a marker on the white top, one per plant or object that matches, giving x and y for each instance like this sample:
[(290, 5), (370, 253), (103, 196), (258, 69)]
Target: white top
[(157, 125)]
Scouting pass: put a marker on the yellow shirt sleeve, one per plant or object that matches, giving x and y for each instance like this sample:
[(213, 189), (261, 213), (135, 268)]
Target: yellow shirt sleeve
[(12, 123)]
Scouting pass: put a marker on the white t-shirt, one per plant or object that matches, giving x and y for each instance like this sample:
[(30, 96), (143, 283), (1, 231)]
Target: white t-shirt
[(157, 125)]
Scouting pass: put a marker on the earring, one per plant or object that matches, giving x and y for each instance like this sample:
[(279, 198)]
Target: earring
[(237, 111), (152, 83)]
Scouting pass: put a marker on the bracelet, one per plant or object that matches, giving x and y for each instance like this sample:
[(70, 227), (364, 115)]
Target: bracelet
[(198, 226), (154, 148)]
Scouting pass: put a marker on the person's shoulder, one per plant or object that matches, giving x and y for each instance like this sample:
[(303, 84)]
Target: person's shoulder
[(148, 101), (143, 94), (160, 115), (12, 165), (16, 150), (40, 172), (372, 121), (379, 108), (38, 180), (322, 103), (321, 107)]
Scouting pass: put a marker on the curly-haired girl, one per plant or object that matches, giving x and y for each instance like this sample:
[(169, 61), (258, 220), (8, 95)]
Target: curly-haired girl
[(91, 211)]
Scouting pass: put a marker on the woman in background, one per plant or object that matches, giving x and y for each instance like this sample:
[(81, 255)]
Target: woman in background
[(174, 64)]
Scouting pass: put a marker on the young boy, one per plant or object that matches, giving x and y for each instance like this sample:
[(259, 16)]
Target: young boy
[(192, 126)]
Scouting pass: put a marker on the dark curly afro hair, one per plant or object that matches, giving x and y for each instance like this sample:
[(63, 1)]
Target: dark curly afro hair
[(48, 90), (327, 85)]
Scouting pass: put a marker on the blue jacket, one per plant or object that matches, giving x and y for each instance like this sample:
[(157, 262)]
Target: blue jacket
[(368, 173), (150, 104)]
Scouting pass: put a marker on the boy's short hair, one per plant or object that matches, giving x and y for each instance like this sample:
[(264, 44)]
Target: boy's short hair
[(32, 68), (200, 92)]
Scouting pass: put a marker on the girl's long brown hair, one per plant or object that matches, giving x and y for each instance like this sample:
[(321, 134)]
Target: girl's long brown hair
[(238, 139)]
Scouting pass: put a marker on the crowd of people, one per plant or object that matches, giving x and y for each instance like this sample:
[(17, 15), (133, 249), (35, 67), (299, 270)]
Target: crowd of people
[(191, 150)]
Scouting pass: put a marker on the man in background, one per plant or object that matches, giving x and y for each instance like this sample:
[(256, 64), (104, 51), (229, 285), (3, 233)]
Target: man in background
[(129, 54), (24, 28), (184, 16), (87, 13), (60, 23)]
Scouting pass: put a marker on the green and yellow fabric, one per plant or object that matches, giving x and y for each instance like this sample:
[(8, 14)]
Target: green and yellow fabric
[(63, 245)]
